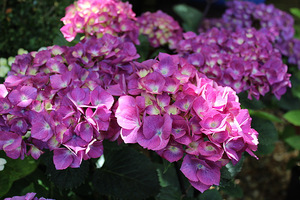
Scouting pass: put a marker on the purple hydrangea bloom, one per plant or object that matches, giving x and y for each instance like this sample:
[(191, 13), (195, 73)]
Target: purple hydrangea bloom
[(277, 24), (61, 99), (28, 196), (244, 60)]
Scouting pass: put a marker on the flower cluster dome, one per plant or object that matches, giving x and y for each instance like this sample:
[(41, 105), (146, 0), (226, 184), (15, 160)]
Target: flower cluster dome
[(97, 17), (173, 109), (267, 18), (244, 60), (160, 28)]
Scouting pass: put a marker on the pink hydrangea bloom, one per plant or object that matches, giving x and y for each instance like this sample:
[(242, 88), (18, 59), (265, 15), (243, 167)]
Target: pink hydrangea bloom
[(202, 122), (97, 17), (160, 28)]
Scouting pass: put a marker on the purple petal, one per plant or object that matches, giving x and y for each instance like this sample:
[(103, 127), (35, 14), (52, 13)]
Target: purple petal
[(58, 81), (41, 128), (80, 96), (200, 186), (100, 96), (95, 149), (209, 175), (154, 83), (10, 141), (85, 131), (189, 168), (166, 66), (62, 158)]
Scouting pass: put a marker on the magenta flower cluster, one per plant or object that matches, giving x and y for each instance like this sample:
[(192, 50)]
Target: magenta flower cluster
[(268, 18), (61, 98), (97, 17), (244, 60), (173, 109), (28, 196), (160, 28)]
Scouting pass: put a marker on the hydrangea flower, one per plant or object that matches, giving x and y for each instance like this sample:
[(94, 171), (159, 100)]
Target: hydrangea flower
[(181, 114), (267, 18), (97, 17), (160, 28), (28, 196), (244, 60), (61, 99)]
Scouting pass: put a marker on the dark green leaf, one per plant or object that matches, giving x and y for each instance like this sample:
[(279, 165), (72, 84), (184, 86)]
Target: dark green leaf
[(233, 190), (211, 195), (229, 171), (294, 141), (143, 49), (191, 16), (264, 115), (167, 176), (267, 135), (169, 193), (288, 101), (235, 169), (61, 41), (250, 104), (126, 174), (293, 117), (15, 169), (68, 178)]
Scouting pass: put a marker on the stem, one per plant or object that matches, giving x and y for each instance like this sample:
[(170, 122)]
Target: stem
[(180, 180)]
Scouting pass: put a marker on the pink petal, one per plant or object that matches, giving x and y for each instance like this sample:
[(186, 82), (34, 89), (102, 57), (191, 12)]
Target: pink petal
[(3, 91), (127, 113)]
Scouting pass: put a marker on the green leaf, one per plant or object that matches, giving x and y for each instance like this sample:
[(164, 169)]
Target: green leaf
[(143, 48), (295, 12), (211, 195), (167, 176), (61, 41), (191, 16), (233, 190), (250, 104), (267, 135), (235, 169), (126, 174), (264, 115), (68, 178), (14, 170), (293, 117), (288, 101), (229, 171), (294, 141), (169, 193)]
